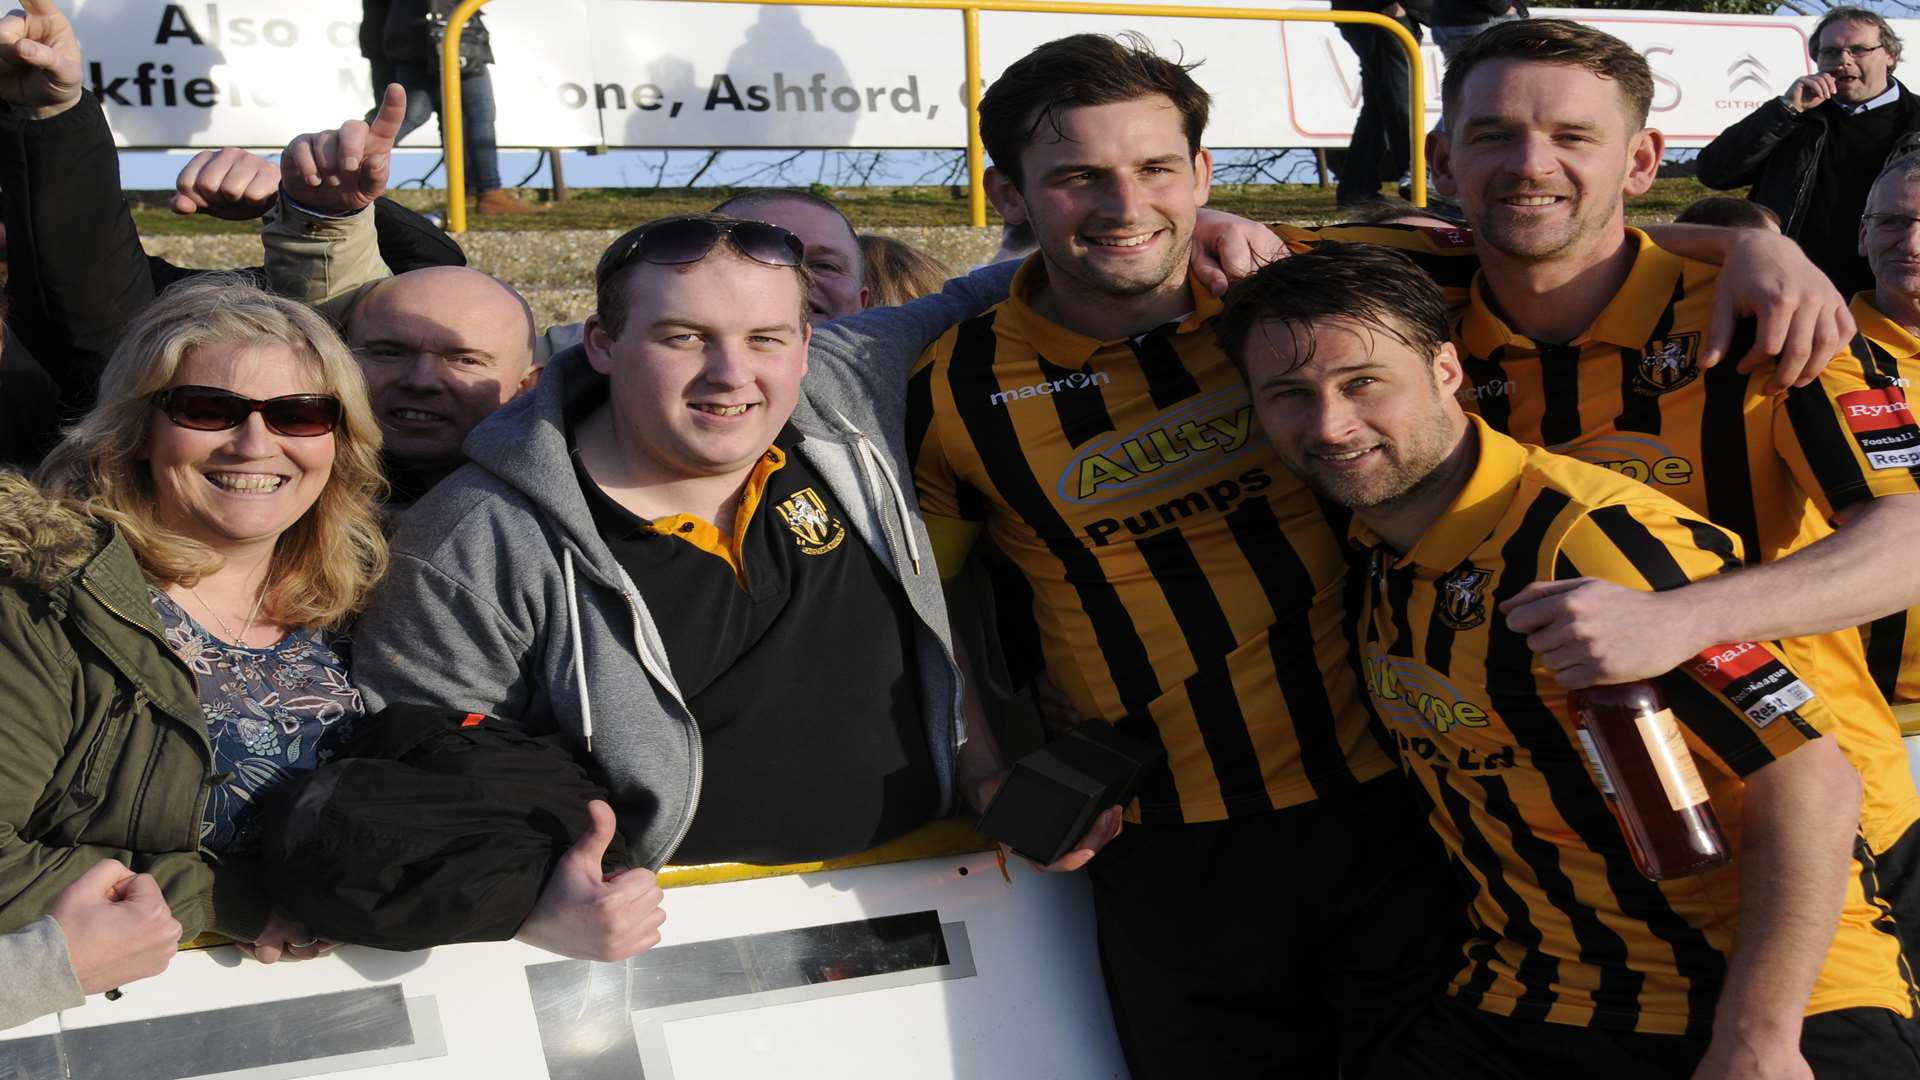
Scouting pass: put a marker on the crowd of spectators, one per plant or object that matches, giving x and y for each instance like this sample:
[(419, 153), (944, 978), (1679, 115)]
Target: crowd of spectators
[(276, 529)]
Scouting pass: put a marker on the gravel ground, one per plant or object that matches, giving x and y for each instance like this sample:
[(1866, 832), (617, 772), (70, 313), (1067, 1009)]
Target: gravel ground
[(554, 270)]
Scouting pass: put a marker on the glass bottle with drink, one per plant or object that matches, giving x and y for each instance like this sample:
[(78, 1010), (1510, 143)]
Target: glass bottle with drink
[(1650, 780)]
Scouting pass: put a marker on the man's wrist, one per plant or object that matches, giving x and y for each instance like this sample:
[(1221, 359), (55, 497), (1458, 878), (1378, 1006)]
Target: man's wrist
[(1787, 104), (48, 112)]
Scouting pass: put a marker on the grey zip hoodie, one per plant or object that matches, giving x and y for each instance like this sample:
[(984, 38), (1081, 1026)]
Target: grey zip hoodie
[(502, 598)]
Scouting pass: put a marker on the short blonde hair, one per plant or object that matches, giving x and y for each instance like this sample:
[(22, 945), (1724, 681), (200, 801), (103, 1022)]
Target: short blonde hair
[(326, 563)]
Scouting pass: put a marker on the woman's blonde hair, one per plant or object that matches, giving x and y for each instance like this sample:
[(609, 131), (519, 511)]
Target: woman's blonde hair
[(898, 272), (325, 564)]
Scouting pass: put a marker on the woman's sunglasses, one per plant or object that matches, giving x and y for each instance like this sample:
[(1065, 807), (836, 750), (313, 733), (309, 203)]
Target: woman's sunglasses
[(209, 408), (687, 240)]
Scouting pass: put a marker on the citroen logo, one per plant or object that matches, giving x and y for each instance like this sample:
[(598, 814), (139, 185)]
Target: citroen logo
[(1748, 69)]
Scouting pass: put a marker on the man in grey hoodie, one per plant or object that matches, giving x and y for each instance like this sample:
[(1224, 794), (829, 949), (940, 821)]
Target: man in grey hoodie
[(679, 536)]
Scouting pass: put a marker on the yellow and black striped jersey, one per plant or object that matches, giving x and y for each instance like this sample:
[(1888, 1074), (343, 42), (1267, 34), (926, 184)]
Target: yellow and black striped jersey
[(1566, 929), (1628, 395), (1187, 588), (1889, 356)]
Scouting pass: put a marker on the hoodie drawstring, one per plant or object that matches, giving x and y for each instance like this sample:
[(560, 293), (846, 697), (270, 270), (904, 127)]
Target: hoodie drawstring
[(579, 651), (870, 460)]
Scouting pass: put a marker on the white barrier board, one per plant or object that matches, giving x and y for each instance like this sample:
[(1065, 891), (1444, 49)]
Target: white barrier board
[(669, 74), (930, 968)]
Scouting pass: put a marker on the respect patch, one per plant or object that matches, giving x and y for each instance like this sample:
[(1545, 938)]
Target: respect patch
[(1882, 422)]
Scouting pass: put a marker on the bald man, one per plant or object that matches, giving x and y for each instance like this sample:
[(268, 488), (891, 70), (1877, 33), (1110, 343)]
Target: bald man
[(441, 348)]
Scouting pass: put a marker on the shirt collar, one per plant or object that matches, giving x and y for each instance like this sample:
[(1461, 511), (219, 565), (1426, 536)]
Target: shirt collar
[(1474, 513), (1064, 347), (1891, 93), (1627, 320), (1882, 331)]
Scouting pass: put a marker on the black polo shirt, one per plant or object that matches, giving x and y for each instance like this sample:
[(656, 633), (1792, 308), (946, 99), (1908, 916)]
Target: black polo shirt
[(793, 646)]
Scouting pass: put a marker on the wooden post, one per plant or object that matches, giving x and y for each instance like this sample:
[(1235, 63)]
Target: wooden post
[(559, 174), (1320, 163)]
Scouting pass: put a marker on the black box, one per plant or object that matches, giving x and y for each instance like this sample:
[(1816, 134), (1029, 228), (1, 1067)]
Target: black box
[(1053, 794)]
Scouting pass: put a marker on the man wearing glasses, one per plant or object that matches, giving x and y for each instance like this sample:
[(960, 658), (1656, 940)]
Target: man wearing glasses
[(1812, 153)]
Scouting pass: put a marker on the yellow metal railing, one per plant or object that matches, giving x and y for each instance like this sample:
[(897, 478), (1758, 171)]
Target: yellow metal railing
[(455, 139)]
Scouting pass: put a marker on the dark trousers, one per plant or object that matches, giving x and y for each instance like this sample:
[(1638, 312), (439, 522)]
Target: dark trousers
[(1290, 944), (1380, 149), (1451, 1041), (476, 110)]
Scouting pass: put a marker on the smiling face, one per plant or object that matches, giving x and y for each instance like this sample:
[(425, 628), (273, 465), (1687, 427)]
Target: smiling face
[(1541, 157), (832, 255), (1111, 196), (1890, 237), (707, 369), (1855, 79), (441, 349), (241, 488), (1363, 418)]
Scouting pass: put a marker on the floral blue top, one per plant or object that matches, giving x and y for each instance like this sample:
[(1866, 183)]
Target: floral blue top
[(271, 713)]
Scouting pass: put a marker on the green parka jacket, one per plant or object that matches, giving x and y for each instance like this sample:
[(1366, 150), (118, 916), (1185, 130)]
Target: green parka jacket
[(103, 747)]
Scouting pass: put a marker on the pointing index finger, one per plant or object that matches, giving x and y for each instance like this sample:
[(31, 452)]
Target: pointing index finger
[(386, 124)]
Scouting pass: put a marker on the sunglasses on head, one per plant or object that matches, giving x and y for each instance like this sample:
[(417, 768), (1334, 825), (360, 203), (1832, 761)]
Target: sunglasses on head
[(688, 240), (209, 408)]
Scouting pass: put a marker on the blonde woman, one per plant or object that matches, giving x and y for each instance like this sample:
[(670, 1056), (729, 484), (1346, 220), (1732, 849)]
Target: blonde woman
[(166, 595)]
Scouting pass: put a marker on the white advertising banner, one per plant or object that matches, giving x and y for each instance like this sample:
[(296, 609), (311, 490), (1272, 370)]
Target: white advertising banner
[(651, 73)]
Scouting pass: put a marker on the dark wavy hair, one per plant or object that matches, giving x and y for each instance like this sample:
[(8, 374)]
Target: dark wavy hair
[(1368, 284)]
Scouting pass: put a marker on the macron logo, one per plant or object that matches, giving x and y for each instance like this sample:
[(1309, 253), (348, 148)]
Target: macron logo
[(1079, 380)]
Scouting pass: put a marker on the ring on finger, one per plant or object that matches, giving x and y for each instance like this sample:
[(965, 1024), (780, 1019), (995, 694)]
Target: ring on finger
[(307, 944)]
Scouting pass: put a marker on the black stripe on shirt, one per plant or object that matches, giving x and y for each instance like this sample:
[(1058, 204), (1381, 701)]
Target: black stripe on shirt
[(1560, 387), (1642, 551), (1536, 969), (1569, 784), (1713, 541), (1641, 411), (1209, 636), (1600, 946), (1827, 446), (1082, 410), (919, 411), (1168, 379), (1289, 589), (1723, 456), (1490, 388), (997, 442)]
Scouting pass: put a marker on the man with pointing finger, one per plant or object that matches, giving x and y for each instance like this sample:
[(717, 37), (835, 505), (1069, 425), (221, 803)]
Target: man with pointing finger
[(1812, 153)]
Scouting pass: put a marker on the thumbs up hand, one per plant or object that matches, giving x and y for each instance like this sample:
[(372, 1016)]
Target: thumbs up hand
[(588, 914)]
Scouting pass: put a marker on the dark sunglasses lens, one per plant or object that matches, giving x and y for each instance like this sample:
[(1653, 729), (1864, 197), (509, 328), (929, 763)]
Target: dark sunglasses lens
[(206, 410), (678, 242), (302, 417), (767, 243)]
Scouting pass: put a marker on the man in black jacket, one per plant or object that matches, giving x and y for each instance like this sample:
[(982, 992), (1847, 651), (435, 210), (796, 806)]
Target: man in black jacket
[(410, 41), (1379, 148), (1811, 154)]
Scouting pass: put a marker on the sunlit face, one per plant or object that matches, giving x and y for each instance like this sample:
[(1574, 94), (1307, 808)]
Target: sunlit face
[(1540, 156), (1112, 196), (246, 485), (707, 369), (441, 349), (1364, 419), (1855, 78), (1890, 235), (832, 253)]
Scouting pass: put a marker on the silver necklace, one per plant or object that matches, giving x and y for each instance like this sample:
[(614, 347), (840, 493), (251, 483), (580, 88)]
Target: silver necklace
[(239, 639)]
